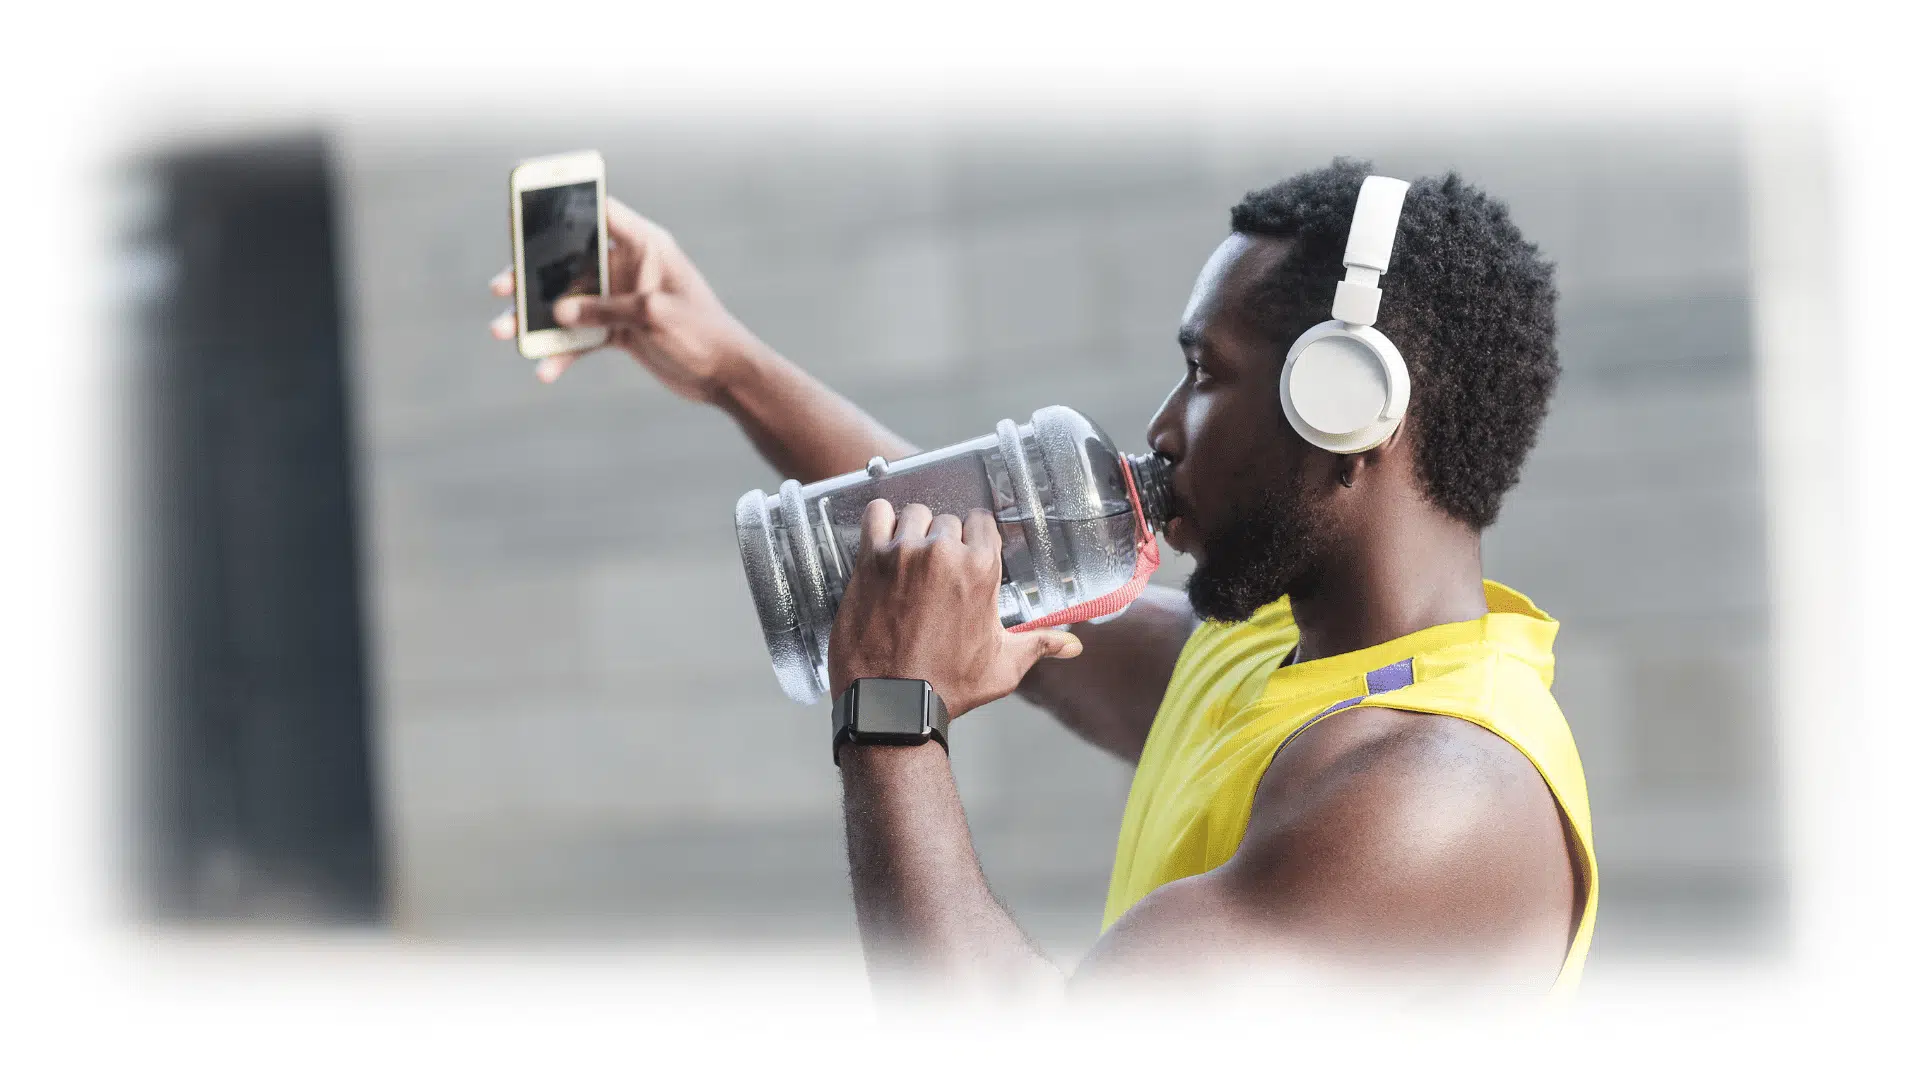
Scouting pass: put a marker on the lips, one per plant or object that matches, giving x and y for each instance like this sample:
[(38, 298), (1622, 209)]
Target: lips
[(1179, 525), (1179, 522), (1174, 532)]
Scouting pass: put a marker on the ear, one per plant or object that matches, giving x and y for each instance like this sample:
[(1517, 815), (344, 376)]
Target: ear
[(1354, 466)]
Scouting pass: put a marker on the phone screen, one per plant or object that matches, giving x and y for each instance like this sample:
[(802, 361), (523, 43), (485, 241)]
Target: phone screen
[(560, 235)]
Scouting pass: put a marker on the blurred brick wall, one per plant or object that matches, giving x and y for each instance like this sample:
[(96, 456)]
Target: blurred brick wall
[(579, 731)]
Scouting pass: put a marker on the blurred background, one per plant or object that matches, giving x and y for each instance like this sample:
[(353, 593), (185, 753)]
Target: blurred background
[(429, 646)]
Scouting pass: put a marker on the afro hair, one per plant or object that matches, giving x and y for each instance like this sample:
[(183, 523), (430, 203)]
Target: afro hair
[(1468, 301)]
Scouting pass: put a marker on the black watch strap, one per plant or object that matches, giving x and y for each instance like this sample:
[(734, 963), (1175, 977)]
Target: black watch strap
[(888, 712)]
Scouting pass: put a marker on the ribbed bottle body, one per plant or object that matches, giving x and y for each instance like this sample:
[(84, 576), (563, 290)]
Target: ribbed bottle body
[(1055, 485)]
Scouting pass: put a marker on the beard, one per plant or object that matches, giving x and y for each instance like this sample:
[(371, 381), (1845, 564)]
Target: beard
[(1258, 553)]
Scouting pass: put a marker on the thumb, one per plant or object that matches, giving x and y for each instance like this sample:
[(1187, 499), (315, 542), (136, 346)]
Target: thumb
[(1041, 644), (593, 310)]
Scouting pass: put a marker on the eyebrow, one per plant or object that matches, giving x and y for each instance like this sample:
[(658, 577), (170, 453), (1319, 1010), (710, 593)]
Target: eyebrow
[(1189, 338)]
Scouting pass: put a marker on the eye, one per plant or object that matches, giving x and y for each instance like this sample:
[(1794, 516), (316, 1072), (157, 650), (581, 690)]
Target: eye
[(1196, 373)]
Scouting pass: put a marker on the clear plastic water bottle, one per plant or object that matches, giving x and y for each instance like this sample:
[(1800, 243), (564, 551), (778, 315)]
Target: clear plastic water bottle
[(1056, 484)]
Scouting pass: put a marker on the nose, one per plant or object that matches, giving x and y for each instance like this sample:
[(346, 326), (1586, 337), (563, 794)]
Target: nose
[(1164, 436)]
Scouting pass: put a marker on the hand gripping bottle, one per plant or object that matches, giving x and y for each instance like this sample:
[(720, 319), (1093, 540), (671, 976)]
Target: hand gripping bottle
[(1076, 517)]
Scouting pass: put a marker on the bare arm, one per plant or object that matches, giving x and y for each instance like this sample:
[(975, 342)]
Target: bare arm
[(799, 425), (925, 912), (923, 905), (661, 311), (1405, 849), (1420, 844), (1402, 845), (1109, 695)]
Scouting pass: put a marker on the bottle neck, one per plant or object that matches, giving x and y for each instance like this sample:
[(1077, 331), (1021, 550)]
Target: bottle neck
[(1153, 479)]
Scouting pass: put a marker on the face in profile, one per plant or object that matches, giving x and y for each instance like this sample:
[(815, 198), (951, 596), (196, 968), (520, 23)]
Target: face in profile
[(1249, 506)]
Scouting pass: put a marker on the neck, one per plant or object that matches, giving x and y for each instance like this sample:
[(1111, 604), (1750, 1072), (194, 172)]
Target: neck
[(1412, 569)]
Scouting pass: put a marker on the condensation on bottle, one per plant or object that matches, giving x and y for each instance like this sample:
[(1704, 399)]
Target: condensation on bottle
[(1055, 485)]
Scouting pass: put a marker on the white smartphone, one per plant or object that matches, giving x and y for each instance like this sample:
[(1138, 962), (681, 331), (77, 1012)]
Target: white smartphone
[(559, 247)]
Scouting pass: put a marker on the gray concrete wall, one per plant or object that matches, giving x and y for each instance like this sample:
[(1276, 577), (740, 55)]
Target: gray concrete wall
[(579, 732)]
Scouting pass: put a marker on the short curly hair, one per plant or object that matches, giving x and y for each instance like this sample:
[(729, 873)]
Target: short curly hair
[(1468, 301)]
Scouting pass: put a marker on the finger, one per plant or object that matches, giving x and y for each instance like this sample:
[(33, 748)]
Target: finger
[(944, 527), (876, 525), (504, 325), (913, 523), (502, 283), (981, 531), (552, 367)]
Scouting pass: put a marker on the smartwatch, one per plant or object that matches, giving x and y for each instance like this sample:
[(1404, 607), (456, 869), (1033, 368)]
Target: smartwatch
[(888, 712)]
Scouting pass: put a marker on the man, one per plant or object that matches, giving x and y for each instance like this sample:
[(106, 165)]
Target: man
[(1347, 755)]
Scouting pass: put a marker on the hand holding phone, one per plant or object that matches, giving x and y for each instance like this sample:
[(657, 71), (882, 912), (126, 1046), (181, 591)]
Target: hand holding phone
[(656, 306), (559, 248)]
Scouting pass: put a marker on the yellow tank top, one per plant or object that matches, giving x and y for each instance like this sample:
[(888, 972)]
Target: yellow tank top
[(1230, 706)]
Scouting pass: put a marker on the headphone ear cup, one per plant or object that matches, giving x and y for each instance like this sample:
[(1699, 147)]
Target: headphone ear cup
[(1344, 388)]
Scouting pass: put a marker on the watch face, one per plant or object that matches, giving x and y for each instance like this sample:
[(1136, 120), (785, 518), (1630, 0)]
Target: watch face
[(891, 707)]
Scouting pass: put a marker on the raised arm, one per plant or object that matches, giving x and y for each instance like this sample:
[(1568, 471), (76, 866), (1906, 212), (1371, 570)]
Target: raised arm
[(661, 311)]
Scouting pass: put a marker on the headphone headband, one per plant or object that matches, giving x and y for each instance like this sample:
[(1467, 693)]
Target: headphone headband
[(1376, 218)]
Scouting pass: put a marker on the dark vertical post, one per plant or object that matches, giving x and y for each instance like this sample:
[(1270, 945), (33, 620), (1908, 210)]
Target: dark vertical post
[(253, 783)]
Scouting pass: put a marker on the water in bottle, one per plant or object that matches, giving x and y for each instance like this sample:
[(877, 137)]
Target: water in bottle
[(1057, 485)]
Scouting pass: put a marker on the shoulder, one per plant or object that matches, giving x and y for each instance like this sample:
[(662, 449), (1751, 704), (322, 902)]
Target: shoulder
[(1374, 753), (1410, 830)]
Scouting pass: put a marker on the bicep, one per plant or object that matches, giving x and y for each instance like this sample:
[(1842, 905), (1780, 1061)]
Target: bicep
[(1110, 692), (1185, 927), (1388, 838)]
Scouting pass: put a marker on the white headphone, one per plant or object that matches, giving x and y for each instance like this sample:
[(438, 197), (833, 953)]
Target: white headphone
[(1344, 386)]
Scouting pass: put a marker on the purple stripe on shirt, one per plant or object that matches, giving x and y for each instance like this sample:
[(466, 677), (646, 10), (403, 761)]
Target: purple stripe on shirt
[(1396, 676), (1392, 677), (1335, 707)]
